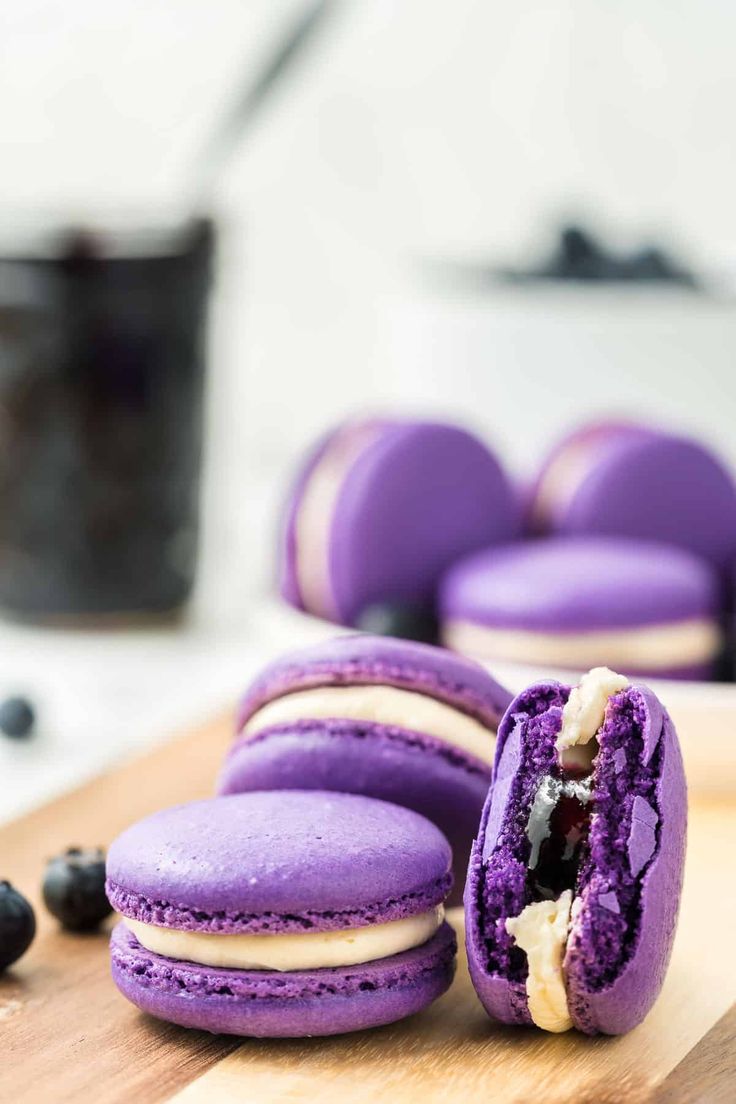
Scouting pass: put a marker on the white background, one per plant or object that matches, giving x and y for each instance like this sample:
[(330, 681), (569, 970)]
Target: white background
[(412, 129)]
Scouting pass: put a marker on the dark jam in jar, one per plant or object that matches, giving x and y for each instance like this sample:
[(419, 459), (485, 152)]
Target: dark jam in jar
[(101, 387), (557, 829)]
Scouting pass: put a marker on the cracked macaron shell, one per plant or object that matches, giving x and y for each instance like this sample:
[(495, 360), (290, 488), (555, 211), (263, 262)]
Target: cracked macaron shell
[(624, 1003), (277, 862), (617, 1006)]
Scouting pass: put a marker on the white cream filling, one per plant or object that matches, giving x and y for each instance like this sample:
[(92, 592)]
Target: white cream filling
[(314, 517), (585, 709), (290, 951), (651, 647), (583, 715), (541, 930), (387, 705)]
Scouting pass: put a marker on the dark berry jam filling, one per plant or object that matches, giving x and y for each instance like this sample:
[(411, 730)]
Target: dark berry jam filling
[(557, 830)]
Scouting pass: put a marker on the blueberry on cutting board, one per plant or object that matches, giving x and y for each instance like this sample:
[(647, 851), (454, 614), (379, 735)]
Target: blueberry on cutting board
[(74, 888), (17, 925)]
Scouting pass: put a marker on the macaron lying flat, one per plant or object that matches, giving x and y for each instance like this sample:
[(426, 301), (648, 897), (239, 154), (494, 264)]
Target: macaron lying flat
[(633, 481), (575, 878), (281, 914), (382, 507), (405, 722), (580, 602)]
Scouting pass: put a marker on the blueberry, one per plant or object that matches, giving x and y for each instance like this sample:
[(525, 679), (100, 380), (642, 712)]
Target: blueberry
[(17, 925), (578, 247), (17, 718), (580, 257), (651, 263), (402, 619), (74, 888)]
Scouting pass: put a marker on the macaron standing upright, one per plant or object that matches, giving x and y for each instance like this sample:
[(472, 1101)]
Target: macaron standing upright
[(281, 914), (381, 507), (576, 602), (630, 480), (390, 719), (574, 883)]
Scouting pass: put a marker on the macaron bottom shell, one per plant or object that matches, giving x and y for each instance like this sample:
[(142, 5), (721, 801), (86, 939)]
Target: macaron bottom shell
[(268, 1004)]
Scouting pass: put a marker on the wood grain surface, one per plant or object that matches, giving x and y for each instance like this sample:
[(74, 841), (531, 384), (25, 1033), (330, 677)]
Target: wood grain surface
[(67, 1035), (708, 1072)]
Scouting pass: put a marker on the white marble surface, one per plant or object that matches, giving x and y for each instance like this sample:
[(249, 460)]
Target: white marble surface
[(102, 696)]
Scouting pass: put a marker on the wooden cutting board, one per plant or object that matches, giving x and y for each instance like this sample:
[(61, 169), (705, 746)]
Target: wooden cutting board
[(67, 1035)]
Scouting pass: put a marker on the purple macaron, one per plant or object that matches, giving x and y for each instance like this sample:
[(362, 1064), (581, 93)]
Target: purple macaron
[(391, 719), (633, 481), (578, 602), (382, 507), (575, 877), (281, 914)]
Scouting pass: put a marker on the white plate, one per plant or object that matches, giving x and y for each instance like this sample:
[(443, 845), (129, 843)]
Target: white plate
[(704, 712)]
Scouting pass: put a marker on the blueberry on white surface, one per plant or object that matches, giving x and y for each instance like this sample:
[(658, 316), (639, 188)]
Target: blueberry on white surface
[(17, 718), (400, 619)]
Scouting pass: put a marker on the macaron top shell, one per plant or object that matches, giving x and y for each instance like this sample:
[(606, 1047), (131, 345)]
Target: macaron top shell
[(278, 861), (646, 484), (579, 583), (420, 495), (358, 659)]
